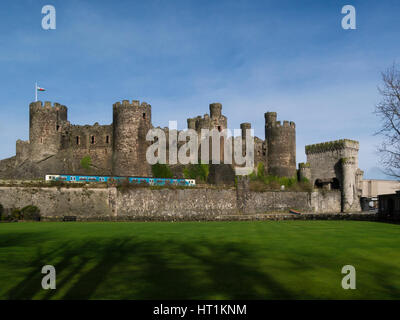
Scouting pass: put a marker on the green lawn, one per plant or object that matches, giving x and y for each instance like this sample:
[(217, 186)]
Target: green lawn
[(198, 260)]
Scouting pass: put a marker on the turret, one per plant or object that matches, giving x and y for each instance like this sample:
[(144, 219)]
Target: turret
[(304, 171), (245, 126), (131, 122), (281, 146), (349, 197), (191, 123), (215, 110), (270, 119), (45, 124)]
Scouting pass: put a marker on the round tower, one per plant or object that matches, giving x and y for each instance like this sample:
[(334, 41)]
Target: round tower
[(349, 197), (45, 124), (215, 110), (281, 146), (191, 123), (305, 171), (131, 122), (243, 127), (270, 119)]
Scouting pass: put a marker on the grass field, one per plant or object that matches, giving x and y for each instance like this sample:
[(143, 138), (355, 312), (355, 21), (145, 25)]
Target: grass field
[(194, 260)]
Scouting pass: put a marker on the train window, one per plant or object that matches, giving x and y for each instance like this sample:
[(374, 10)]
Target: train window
[(92, 140)]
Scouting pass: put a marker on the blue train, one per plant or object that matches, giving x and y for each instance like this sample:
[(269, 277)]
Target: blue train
[(147, 180)]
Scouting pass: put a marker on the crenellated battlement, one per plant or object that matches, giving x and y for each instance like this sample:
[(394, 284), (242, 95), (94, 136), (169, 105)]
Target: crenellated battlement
[(270, 121), (47, 105), (332, 146), (133, 104)]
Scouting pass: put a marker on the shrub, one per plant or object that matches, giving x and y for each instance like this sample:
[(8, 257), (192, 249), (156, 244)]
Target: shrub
[(261, 182), (15, 214), (86, 162), (260, 170), (161, 171), (30, 213), (197, 171)]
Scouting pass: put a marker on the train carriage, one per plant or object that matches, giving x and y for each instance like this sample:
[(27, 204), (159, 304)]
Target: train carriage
[(138, 180)]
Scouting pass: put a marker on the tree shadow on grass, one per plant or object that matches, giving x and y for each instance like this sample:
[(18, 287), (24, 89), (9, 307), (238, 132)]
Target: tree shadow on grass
[(30, 285), (102, 269)]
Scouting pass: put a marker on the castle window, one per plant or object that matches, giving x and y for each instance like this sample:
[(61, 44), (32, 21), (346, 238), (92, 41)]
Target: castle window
[(107, 139), (78, 140), (144, 116), (58, 128), (41, 140), (92, 140), (219, 128)]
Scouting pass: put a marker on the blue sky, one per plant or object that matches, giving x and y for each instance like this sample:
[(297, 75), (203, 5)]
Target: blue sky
[(292, 57)]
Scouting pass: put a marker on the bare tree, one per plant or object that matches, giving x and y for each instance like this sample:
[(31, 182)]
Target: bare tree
[(388, 110)]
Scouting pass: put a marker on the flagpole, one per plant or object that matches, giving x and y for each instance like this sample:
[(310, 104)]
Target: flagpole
[(35, 91)]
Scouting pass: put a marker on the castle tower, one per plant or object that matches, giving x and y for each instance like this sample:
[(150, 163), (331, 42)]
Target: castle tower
[(215, 110), (304, 171), (349, 192), (131, 122), (281, 146), (45, 124), (243, 127), (191, 123)]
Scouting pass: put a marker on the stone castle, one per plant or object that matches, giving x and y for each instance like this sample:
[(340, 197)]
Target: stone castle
[(57, 146)]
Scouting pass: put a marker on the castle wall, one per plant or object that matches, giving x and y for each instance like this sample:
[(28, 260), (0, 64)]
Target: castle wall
[(162, 204), (55, 203), (88, 137), (23, 151), (6, 167), (93, 141)]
